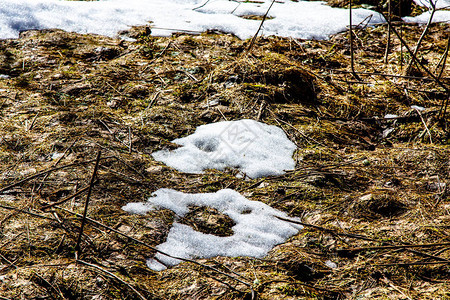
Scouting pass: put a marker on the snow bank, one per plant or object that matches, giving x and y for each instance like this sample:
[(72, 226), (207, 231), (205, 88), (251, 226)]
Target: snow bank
[(256, 231), (302, 19), (255, 148)]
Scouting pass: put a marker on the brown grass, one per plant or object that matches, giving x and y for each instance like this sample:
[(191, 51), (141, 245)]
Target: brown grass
[(73, 95)]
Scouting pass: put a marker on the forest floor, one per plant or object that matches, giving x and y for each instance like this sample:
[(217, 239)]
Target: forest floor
[(373, 192)]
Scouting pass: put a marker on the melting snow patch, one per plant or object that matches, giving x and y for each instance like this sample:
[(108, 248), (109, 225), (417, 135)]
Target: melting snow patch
[(296, 19), (419, 108), (255, 148), (256, 232)]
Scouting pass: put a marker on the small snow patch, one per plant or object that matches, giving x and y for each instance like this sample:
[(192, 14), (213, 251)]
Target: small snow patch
[(255, 148), (256, 229)]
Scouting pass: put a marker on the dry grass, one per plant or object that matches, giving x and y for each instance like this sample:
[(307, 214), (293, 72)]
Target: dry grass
[(72, 95)]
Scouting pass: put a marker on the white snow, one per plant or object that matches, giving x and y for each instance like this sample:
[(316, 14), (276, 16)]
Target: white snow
[(390, 116), (255, 148), (419, 108), (439, 15), (256, 232), (330, 264), (437, 3), (302, 19)]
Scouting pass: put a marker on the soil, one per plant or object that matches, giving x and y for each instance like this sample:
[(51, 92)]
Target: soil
[(371, 191)]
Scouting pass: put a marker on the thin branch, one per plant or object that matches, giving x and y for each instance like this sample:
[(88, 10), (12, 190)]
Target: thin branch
[(419, 42), (252, 42), (443, 60), (357, 236), (419, 263), (8, 187), (155, 249), (360, 249), (66, 199), (425, 125), (444, 105), (83, 221), (113, 276), (26, 212), (388, 44), (352, 63)]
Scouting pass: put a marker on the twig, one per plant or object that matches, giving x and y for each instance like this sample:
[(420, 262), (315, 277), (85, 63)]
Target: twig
[(443, 60), (155, 249), (382, 74), (32, 122), (360, 249), (356, 236), (65, 199), (388, 44), (252, 42), (419, 263), (128, 166), (83, 220), (25, 212), (444, 105), (113, 276), (58, 291), (419, 42), (424, 124), (52, 169), (130, 147), (352, 63), (198, 7)]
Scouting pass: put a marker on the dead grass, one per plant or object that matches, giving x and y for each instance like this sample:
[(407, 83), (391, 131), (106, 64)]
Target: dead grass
[(71, 95)]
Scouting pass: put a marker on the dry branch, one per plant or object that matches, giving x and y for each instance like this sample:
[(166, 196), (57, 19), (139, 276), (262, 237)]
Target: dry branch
[(86, 205)]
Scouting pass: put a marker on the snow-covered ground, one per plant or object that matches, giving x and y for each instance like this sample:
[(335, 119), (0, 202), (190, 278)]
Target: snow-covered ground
[(297, 19), (255, 233), (255, 148), (302, 19)]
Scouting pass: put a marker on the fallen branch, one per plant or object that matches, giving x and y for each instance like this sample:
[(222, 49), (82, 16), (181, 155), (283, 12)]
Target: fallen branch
[(113, 276), (65, 199), (360, 249), (8, 187), (26, 212), (350, 235), (357, 236), (155, 249)]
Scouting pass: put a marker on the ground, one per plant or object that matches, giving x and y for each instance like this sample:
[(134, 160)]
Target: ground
[(372, 192)]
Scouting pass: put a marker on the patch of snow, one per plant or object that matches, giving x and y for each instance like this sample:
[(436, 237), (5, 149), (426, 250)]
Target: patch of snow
[(255, 148), (419, 108), (256, 232), (297, 19), (390, 116), (386, 132), (331, 264), (439, 16), (437, 3)]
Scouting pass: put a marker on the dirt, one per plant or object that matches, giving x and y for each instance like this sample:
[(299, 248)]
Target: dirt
[(371, 191)]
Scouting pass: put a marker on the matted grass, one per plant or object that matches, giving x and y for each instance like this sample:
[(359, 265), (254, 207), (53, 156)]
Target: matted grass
[(71, 95)]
